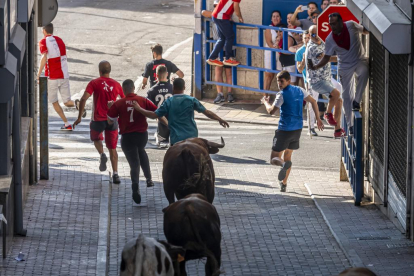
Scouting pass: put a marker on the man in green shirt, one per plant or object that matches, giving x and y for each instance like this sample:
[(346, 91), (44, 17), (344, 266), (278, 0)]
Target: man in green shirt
[(180, 112)]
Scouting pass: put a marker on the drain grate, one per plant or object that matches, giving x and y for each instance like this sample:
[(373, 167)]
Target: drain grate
[(371, 238), (56, 193), (249, 107), (399, 245)]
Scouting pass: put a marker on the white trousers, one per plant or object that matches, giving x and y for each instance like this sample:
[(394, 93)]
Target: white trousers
[(358, 74)]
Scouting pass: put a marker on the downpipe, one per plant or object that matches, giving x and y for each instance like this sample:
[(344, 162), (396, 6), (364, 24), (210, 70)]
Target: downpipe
[(17, 166)]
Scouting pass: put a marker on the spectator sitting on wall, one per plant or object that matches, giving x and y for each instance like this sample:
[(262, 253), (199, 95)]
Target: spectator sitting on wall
[(324, 4), (151, 67), (286, 60), (218, 70), (304, 23), (221, 17), (270, 39)]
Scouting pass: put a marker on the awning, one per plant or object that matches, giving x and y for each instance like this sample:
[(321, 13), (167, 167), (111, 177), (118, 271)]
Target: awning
[(17, 43), (8, 74), (386, 22)]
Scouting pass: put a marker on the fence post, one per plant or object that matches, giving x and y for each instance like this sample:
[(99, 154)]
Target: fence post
[(359, 163), (44, 128), (198, 53)]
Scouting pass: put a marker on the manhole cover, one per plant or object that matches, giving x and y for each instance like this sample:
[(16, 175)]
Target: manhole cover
[(370, 238), (249, 107)]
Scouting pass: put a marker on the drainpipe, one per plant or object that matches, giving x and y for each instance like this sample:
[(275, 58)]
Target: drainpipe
[(17, 164)]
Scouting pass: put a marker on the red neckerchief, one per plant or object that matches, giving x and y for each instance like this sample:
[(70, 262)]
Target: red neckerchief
[(344, 39)]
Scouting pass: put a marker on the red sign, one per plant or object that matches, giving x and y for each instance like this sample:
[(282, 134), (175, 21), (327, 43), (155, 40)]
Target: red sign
[(323, 19)]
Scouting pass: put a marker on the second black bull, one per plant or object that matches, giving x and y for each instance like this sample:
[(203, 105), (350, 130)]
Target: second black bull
[(188, 169)]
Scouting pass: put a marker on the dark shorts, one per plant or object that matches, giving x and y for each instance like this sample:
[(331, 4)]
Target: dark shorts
[(111, 133), (286, 140)]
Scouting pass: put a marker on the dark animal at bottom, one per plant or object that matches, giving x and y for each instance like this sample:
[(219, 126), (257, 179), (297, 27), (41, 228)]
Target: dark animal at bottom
[(149, 257), (194, 224), (187, 169)]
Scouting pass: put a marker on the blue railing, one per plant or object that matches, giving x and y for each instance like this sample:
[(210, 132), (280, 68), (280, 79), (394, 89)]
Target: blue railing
[(351, 152), (261, 28)]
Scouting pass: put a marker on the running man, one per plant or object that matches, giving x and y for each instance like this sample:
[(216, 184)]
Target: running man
[(133, 128), (158, 94), (290, 102), (55, 62), (321, 81), (104, 90), (345, 41), (221, 17), (180, 112), (150, 69)]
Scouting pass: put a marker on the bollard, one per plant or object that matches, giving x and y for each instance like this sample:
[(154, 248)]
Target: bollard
[(44, 128)]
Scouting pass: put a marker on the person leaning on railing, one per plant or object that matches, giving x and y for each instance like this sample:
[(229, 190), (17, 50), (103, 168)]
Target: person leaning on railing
[(270, 39), (286, 60), (304, 23)]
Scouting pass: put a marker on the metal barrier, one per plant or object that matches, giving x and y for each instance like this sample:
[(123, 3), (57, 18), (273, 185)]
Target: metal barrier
[(351, 152), (44, 128), (261, 28)]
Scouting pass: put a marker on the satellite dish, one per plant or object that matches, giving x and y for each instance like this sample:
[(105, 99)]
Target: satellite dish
[(47, 10)]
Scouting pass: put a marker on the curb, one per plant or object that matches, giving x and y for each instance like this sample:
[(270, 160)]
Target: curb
[(351, 255), (102, 254)]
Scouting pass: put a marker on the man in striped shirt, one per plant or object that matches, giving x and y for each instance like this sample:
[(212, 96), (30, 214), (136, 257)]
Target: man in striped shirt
[(55, 62), (221, 17)]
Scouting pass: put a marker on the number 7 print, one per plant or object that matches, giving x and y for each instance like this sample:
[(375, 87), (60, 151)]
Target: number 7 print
[(131, 118)]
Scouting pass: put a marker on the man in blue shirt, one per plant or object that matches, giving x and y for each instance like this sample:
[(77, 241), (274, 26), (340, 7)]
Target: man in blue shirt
[(180, 112), (301, 65), (290, 102)]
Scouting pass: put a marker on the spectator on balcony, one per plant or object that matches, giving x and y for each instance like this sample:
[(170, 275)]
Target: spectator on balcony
[(320, 80), (324, 4), (270, 38), (345, 42), (304, 23), (221, 16), (287, 60)]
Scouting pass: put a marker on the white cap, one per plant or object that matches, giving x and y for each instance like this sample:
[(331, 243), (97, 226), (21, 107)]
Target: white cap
[(216, 2)]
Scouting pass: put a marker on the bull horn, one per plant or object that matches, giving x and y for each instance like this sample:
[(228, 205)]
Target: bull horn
[(216, 145)]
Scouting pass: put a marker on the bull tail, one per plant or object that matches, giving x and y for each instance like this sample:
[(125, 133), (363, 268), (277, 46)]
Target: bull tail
[(201, 246), (194, 176)]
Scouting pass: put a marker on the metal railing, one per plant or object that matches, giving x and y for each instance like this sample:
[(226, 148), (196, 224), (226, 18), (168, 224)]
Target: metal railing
[(352, 152), (207, 40)]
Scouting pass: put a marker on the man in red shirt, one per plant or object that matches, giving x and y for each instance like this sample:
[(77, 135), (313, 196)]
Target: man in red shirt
[(104, 90), (221, 17), (133, 128), (55, 62)]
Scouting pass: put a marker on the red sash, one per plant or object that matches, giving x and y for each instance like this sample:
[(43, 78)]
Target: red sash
[(344, 39)]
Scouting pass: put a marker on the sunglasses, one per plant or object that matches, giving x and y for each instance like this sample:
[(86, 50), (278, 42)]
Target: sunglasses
[(315, 16), (313, 35)]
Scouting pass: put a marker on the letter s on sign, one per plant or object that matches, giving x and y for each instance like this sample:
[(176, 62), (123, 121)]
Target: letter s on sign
[(325, 26)]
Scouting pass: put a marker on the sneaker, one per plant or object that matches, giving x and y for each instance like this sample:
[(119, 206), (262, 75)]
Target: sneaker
[(356, 106), (339, 134), (282, 173), (312, 132), (330, 119), (351, 130), (282, 187), (163, 145), (103, 160), (135, 193), (215, 62), (150, 183), (219, 98), (69, 127), (115, 179), (230, 97), (77, 108), (231, 62)]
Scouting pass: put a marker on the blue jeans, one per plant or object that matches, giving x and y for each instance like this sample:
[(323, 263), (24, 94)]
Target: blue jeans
[(226, 38)]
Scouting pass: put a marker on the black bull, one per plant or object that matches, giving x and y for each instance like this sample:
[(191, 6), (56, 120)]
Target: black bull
[(188, 169)]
